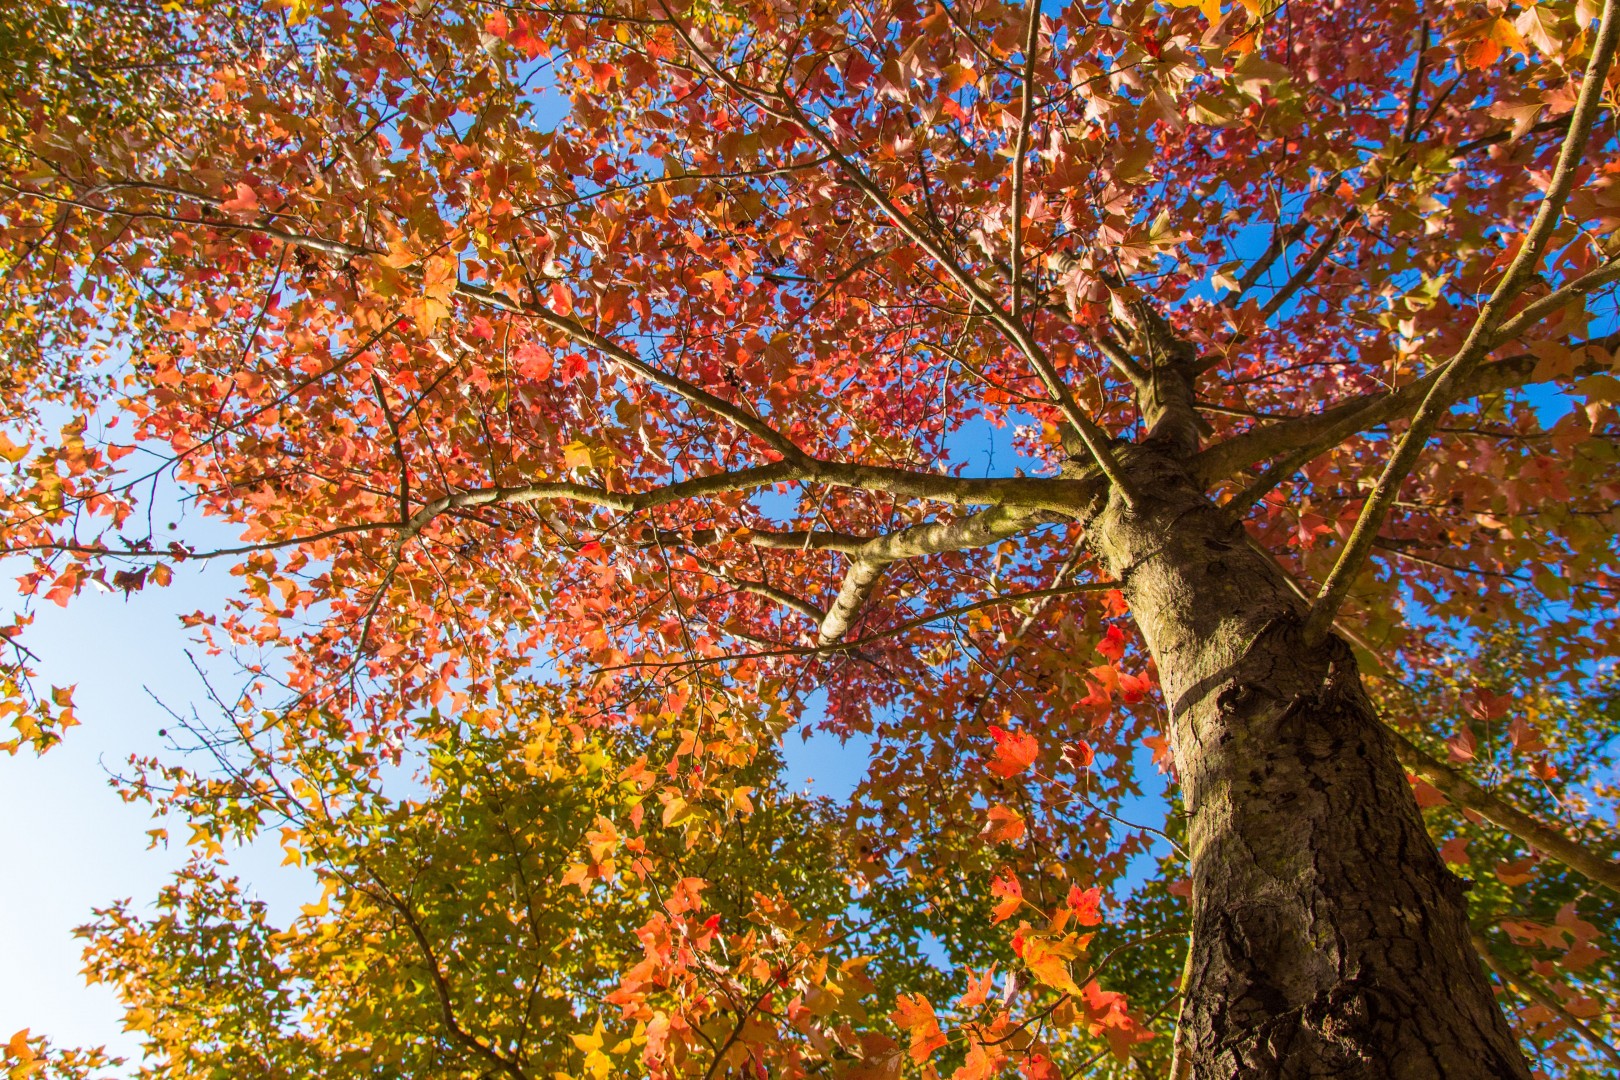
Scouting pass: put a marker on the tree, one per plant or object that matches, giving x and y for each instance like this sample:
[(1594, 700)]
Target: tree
[(628, 369)]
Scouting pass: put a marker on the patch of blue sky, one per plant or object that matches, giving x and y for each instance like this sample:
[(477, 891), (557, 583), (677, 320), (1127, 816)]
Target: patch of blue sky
[(72, 843)]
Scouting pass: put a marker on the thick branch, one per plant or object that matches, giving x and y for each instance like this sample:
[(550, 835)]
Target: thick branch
[(1311, 435), (1542, 998), (1480, 338), (780, 596), (976, 530), (1503, 814), (719, 483)]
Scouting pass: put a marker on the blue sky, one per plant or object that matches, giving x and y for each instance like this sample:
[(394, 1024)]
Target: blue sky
[(70, 843)]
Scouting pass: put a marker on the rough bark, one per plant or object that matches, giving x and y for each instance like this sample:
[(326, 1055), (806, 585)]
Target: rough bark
[(1328, 938)]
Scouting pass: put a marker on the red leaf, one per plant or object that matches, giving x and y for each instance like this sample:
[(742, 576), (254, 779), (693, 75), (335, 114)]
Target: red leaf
[(1455, 851), (1015, 751), (1039, 1067), (1112, 644), (1078, 755), (1086, 905)]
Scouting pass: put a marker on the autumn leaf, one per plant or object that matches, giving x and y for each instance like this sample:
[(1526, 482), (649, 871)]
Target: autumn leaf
[(1211, 9), (1491, 38), (1011, 893), (1515, 871), (1003, 825), (1078, 755), (915, 1016), (244, 201), (978, 991), (1086, 905), (1112, 643), (1015, 752)]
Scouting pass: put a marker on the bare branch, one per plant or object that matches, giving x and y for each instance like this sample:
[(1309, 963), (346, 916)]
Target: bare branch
[(1032, 15), (976, 530), (856, 644)]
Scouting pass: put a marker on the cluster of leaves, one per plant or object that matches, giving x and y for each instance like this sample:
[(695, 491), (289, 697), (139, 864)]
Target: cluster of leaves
[(1550, 747), (538, 898)]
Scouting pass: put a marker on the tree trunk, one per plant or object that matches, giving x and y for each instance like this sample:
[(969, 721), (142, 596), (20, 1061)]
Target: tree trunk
[(1328, 937)]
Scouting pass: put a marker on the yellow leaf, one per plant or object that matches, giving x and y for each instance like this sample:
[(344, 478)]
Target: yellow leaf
[(677, 811), (1505, 34), (589, 1043), (1048, 963), (576, 455), (1210, 8)]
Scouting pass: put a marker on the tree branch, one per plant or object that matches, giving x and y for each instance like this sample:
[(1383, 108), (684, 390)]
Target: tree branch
[(1032, 15), (1311, 435), (976, 530), (1503, 814), (856, 644), (1479, 341), (1542, 998)]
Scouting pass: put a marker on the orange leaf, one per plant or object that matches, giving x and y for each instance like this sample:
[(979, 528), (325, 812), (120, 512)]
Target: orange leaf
[(1003, 824), (1012, 898), (245, 201), (978, 991), (1015, 751), (916, 1015), (1516, 872)]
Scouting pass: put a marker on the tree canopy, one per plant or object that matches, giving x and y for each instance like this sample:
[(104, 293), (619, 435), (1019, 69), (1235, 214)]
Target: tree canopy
[(591, 398)]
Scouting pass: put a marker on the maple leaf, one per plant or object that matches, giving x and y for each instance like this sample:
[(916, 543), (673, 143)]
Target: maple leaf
[(1078, 755), (1160, 745), (1012, 897), (244, 201), (1003, 824), (1086, 904), (1211, 9), (1015, 752), (915, 1016), (1048, 959), (978, 991), (1112, 643), (1039, 1066), (1516, 871), (1489, 39)]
